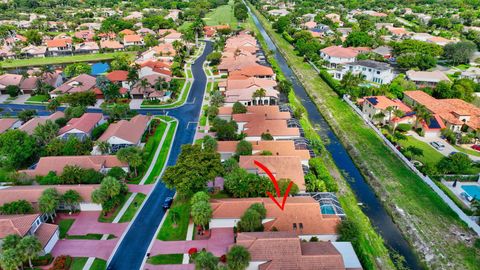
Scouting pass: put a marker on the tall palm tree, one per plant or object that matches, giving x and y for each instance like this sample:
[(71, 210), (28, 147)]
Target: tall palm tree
[(144, 85), (104, 147), (259, 94), (197, 27), (397, 113), (177, 46), (30, 247), (422, 113), (53, 105), (350, 81)]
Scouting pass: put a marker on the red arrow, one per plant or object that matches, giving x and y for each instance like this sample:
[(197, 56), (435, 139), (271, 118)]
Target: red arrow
[(275, 183)]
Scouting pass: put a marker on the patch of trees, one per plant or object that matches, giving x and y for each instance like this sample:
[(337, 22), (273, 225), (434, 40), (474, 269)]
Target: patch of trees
[(214, 58), (461, 88), (19, 207), (17, 149), (71, 175), (319, 179), (225, 130), (359, 39), (251, 220), (306, 45), (240, 10), (72, 146), (416, 54), (457, 163), (17, 250), (195, 167), (75, 69), (241, 184), (156, 22), (460, 52)]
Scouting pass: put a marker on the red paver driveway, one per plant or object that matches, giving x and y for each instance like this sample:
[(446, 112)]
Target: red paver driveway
[(87, 222), (85, 248), (169, 267), (218, 244), (145, 189)]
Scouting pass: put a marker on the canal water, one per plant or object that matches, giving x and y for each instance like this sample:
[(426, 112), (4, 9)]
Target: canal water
[(372, 206)]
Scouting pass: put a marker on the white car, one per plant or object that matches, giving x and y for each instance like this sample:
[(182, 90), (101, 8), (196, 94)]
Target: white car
[(438, 145)]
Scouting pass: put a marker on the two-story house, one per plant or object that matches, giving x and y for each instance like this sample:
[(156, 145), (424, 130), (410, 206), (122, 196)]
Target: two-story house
[(372, 71), (60, 46)]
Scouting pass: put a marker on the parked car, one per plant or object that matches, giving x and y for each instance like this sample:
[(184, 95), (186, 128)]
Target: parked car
[(476, 147), (167, 203), (438, 145)]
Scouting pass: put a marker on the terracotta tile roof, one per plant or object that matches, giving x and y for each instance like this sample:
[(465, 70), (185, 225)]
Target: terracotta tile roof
[(33, 193), (254, 71), (338, 51), (277, 148), (130, 131), (285, 251), (111, 44), (87, 46), (232, 96), (297, 210), (427, 76), (81, 83), (84, 123), (16, 224), (58, 163), (31, 124), (117, 76), (282, 167), (383, 102), (158, 67), (29, 83), (7, 123), (45, 232), (61, 42), (10, 79), (164, 49), (127, 32), (85, 34), (132, 38)]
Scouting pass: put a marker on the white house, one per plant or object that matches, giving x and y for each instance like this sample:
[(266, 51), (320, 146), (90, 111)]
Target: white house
[(337, 55), (373, 71)]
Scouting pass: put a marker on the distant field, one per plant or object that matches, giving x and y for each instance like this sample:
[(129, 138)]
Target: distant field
[(221, 15), (37, 61)]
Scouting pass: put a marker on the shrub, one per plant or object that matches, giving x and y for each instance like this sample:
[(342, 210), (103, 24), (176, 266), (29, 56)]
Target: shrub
[(330, 81), (50, 179), (62, 263), (321, 173), (266, 137), (239, 108), (16, 208), (12, 90), (404, 127), (61, 122), (43, 260), (99, 130)]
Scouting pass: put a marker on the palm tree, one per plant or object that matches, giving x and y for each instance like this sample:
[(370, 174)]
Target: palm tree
[(238, 258), (390, 110), (177, 45), (350, 81), (259, 94), (422, 113), (379, 117), (205, 261), (48, 202), (397, 113), (10, 259), (414, 151), (197, 28), (104, 147), (132, 76), (144, 85), (132, 156), (44, 133), (53, 105), (159, 83), (201, 213), (30, 247), (71, 198)]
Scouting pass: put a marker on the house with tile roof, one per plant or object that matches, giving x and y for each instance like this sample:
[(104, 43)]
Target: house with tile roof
[(248, 97), (100, 163), (236, 83), (159, 68), (34, 51), (33, 193), (301, 215), (227, 149), (162, 52), (255, 70), (375, 105), (282, 167), (338, 55), (61, 46), (372, 71), (87, 47), (9, 123), (126, 133), (285, 251), (81, 127), (29, 85), (80, 83), (426, 78), (111, 45), (169, 35), (454, 114), (133, 40), (119, 77), (31, 124), (149, 91), (86, 35), (32, 224), (9, 79)]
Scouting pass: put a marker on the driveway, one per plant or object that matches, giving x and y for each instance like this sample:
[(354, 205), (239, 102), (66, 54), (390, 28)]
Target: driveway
[(169, 267), (145, 189), (448, 147), (220, 240), (87, 222), (85, 248)]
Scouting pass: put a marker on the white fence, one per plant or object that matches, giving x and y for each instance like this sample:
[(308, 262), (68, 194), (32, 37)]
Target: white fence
[(474, 226)]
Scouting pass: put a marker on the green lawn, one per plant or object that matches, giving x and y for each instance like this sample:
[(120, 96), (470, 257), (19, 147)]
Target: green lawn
[(37, 61), (132, 209), (37, 99), (64, 225), (184, 26), (430, 155), (396, 185), (110, 218), (169, 232), (467, 151), (166, 259), (78, 263), (90, 236), (222, 15), (162, 157), (178, 102), (99, 264)]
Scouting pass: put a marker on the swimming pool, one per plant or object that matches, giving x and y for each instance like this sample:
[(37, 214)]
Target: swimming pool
[(472, 190), (327, 210)]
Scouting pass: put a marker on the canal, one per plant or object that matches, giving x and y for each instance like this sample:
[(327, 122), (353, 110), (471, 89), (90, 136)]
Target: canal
[(372, 207)]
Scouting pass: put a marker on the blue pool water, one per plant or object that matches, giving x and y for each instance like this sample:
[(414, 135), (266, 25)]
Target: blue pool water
[(472, 190), (327, 210), (99, 68)]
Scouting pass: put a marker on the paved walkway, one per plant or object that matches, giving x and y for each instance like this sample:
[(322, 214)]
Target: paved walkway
[(218, 244), (85, 248), (87, 222), (145, 189), (169, 267)]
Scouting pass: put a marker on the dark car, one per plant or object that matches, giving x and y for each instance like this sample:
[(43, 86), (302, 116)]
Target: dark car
[(167, 203)]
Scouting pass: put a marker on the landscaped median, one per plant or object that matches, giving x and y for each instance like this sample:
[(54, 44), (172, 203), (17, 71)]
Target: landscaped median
[(185, 90), (429, 224), (42, 61)]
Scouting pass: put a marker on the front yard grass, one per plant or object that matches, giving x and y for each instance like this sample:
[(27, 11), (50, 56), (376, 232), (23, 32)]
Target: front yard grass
[(420, 213), (78, 263), (170, 232), (166, 259), (64, 225), (37, 99), (42, 61), (90, 236), (98, 264), (133, 207), (430, 155)]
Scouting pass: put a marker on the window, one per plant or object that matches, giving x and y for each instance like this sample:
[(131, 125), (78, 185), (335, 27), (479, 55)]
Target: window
[(294, 226), (378, 72), (300, 225)]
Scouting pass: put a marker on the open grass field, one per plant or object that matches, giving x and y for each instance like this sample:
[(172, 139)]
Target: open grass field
[(222, 15), (428, 223), (56, 60)]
